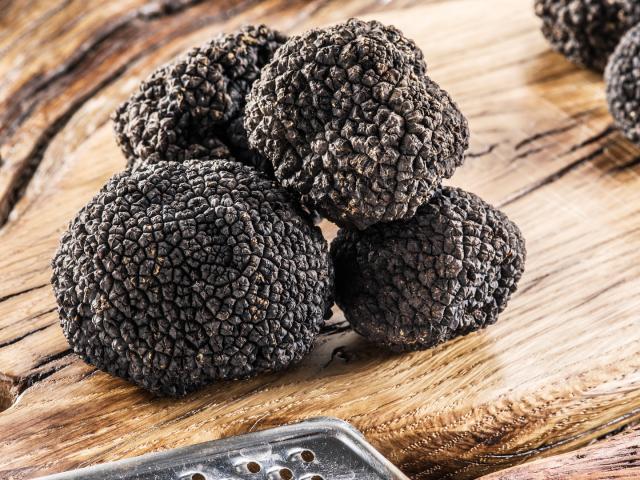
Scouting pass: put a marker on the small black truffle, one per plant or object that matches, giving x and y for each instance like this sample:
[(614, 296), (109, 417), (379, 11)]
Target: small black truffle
[(622, 77), (586, 31), (353, 125), (448, 271), (193, 108), (180, 274)]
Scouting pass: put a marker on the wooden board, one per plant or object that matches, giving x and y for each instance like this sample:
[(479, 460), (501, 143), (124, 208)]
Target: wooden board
[(560, 368)]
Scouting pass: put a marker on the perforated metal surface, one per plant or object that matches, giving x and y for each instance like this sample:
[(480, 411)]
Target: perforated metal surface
[(317, 449)]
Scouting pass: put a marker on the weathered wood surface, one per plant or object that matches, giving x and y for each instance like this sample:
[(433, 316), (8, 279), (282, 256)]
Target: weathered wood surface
[(561, 367), (615, 458)]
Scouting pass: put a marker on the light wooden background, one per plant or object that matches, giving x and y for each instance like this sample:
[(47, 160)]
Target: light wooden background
[(561, 367)]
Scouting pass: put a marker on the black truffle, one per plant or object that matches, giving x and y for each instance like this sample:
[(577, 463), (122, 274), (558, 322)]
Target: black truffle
[(623, 81), (193, 108), (180, 274), (448, 271), (586, 31), (351, 123)]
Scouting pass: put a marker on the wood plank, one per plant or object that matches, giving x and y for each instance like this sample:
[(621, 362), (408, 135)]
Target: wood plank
[(561, 367)]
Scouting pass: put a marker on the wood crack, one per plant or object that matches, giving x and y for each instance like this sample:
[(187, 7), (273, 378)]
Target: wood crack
[(22, 292), (527, 153), (546, 133), (593, 139), (41, 373), (31, 94), (553, 177), (559, 443), (634, 162), (50, 358), (486, 151), (30, 332), (12, 387), (44, 140)]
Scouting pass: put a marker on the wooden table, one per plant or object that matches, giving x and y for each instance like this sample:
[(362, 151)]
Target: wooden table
[(561, 367)]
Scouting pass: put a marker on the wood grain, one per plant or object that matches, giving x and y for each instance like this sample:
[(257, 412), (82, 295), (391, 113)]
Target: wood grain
[(560, 368), (615, 458)]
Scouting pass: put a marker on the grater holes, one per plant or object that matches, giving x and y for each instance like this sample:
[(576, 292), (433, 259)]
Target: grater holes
[(250, 467), (281, 473), (285, 474), (307, 456)]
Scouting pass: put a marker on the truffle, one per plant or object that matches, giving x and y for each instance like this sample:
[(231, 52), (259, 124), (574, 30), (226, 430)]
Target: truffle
[(586, 31), (193, 108), (622, 78), (176, 275), (448, 271), (352, 124)]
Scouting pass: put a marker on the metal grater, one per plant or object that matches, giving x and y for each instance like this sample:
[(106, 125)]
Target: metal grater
[(317, 449)]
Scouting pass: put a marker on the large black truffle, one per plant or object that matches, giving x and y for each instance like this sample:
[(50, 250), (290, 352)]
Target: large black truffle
[(448, 271), (352, 124), (179, 274), (587, 31), (193, 108), (622, 78)]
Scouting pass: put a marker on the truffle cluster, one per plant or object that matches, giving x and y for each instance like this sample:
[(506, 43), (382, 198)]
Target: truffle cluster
[(352, 124), (179, 274), (446, 272), (587, 31), (622, 78), (200, 262), (601, 35), (194, 108)]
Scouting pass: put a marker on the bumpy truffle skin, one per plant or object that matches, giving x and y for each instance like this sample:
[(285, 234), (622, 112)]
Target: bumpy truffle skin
[(446, 272), (622, 78), (193, 108), (352, 124), (586, 31), (180, 274)]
